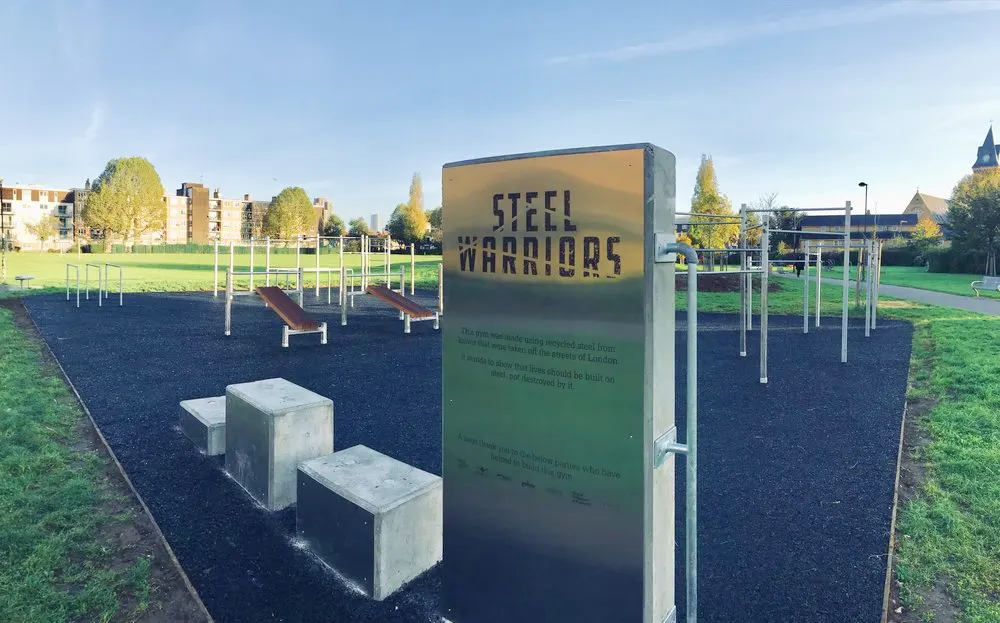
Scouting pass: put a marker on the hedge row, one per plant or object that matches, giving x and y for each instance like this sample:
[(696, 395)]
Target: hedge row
[(952, 260)]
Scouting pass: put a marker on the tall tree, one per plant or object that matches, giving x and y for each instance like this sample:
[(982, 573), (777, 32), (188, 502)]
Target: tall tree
[(408, 222), (783, 218), (358, 227), (925, 235), (708, 200), (334, 226), (974, 216), (44, 229), (127, 199), (434, 219), (291, 214)]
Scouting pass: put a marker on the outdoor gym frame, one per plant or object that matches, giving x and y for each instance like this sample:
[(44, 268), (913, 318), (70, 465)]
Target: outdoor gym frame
[(102, 282), (367, 245), (870, 249)]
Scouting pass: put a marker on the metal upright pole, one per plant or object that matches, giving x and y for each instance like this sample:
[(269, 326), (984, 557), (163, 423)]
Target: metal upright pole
[(878, 279), (819, 280), (388, 262), (743, 281), (846, 281), (299, 290), (343, 294), (868, 289), (232, 256), (317, 264), (766, 268), (267, 261), (805, 289), (340, 248), (413, 264), (229, 297), (441, 288), (215, 271), (251, 265)]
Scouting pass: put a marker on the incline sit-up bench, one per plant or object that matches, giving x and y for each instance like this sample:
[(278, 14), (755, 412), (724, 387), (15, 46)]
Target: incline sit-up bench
[(409, 310), (295, 318)]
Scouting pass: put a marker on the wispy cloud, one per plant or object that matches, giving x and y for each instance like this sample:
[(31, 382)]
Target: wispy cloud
[(735, 33), (96, 123)]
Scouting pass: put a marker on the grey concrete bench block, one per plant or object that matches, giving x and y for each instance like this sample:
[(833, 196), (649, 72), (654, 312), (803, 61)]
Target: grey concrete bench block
[(203, 421), (374, 519), (271, 427)]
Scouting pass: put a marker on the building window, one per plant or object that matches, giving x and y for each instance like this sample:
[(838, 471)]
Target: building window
[(62, 209), (44, 206)]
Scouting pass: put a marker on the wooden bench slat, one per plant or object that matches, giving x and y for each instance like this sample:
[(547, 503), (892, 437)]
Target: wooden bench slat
[(400, 302), (293, 315)]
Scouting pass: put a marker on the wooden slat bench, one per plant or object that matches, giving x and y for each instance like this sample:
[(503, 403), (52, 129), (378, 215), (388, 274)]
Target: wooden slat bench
[(409, 310), (295, 318)]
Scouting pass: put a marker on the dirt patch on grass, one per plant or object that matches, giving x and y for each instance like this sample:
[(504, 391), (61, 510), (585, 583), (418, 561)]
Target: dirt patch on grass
[(719, 282), (160, 594)]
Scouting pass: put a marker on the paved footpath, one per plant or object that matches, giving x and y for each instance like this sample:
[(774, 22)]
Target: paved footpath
[(980, 305)]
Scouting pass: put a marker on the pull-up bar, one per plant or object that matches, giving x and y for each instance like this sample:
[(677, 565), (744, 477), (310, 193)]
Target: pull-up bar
[(827, 234), (840, 209)]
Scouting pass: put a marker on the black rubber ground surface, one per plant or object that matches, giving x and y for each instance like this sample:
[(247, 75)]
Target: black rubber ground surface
[(795, 478)]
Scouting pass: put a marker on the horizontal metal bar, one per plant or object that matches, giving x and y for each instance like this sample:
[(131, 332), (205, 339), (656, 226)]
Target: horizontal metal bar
[(709, 273), (736, 250), (799, 232), (783, 209)]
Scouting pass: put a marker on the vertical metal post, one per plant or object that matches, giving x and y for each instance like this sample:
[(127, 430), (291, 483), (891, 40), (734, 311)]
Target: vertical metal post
[(250, 289), (299, 289), (441, 288), (819, 280), (868, 289), (340, 248), (765, 264), (413, 266), (232, 256), (78, 286), (67, 277), (388, 262), (743, 280), (121, 281), (343, 296), (847, 274), (878, 281), (691, 469), (402, 281), (298, 253), (267, 261), (229, 297), (318, 241), (805, 289), (215, 271)]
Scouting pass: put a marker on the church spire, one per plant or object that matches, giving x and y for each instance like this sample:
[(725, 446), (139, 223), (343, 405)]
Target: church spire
[(986, 158)]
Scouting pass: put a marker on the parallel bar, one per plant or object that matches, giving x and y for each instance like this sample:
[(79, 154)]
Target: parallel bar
[(317, 265), (267, 261), (413, 266), (229, 299), (821, 234), (733, 250), (250, 289)]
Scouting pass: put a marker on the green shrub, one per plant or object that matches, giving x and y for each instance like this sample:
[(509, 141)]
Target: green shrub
[(951, 260)]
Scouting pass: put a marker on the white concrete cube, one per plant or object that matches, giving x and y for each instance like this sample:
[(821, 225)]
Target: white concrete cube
[(374, 519), (203, 421), (271, 427)]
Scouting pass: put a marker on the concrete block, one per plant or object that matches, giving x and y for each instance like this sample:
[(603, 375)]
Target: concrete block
[(374, 519), (203, 421), (271, 427)]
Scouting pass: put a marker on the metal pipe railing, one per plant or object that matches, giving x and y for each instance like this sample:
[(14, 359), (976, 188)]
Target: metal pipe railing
[(847, 270), (86, 282), (77, 269), (121, 281)]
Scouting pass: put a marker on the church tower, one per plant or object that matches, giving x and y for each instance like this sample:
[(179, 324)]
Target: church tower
[(987, 156)]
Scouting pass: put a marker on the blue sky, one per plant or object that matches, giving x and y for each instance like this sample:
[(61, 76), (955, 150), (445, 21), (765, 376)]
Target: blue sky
[(347, 99)]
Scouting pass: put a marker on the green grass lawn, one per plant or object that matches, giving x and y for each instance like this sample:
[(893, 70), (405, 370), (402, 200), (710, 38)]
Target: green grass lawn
[(917, 277), (179, 272), (55, 565)]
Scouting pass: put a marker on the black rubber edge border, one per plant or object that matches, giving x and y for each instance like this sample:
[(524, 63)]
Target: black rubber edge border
[(889, 571), (121, 470)]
